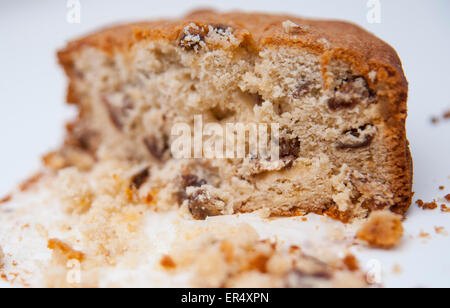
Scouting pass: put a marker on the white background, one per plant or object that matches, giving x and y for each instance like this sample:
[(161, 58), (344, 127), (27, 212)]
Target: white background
[(32, 89)]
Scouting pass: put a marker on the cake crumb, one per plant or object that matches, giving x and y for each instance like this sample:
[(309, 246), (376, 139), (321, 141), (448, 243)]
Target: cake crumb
[(351, 263), (383, 229), (430, 205), (293, 28), (397, 269), (167, 262), (440, 230), (65, 250), (447, 197), (424, 234), (441, 187), (5, 199), (420, 203), (445, 209), (445, 116)]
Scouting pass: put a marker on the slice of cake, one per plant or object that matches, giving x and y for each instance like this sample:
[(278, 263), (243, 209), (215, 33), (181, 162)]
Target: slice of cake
[(330, 97)]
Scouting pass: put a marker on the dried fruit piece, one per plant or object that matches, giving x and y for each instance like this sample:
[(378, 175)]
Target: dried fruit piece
[(156, 147), (349, 94), (140, 178), (289, 148), (192, 36), (357, 138), (117, 113), (302, 90), (202, 204), (191, 180)]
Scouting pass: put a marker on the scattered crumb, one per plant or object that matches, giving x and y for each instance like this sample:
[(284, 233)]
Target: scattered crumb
[(445, 209), (167, 262), (445, 116), (65, 250), (304, 219), (441, 187), (383, 229), (294, 248), (434, 120), (440, 230), (423, 234), (430, 205), (351, 263), (447, 197), (5, 199), (397, 269), (420, 203), (427, 206)]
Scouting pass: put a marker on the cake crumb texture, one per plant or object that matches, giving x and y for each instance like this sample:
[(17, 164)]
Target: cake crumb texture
[(382, 230), (337, 92)]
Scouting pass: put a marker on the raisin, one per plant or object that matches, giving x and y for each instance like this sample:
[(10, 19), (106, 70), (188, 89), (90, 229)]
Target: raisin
[(302, 90), (357, 138), (289, 148), (221, 28), (114, 114), (156, 147), (336, 104), (139, 178), (349, 94), (191, 180), (202, 205), (258, 99), (81, 137), (191, 37)]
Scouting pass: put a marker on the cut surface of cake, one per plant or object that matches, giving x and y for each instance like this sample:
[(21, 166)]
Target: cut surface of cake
[(336, 93)]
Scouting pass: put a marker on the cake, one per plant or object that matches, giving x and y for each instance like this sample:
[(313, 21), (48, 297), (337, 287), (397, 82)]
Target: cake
[(199, 141), (336, 94)]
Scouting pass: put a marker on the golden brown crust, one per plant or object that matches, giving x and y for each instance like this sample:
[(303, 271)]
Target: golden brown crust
[(368, 56), (346, 40)]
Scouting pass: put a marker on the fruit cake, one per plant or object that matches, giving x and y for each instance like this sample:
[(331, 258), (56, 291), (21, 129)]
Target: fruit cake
[(336, 94)]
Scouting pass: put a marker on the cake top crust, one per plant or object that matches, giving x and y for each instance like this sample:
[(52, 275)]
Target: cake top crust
[(332, 39)]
